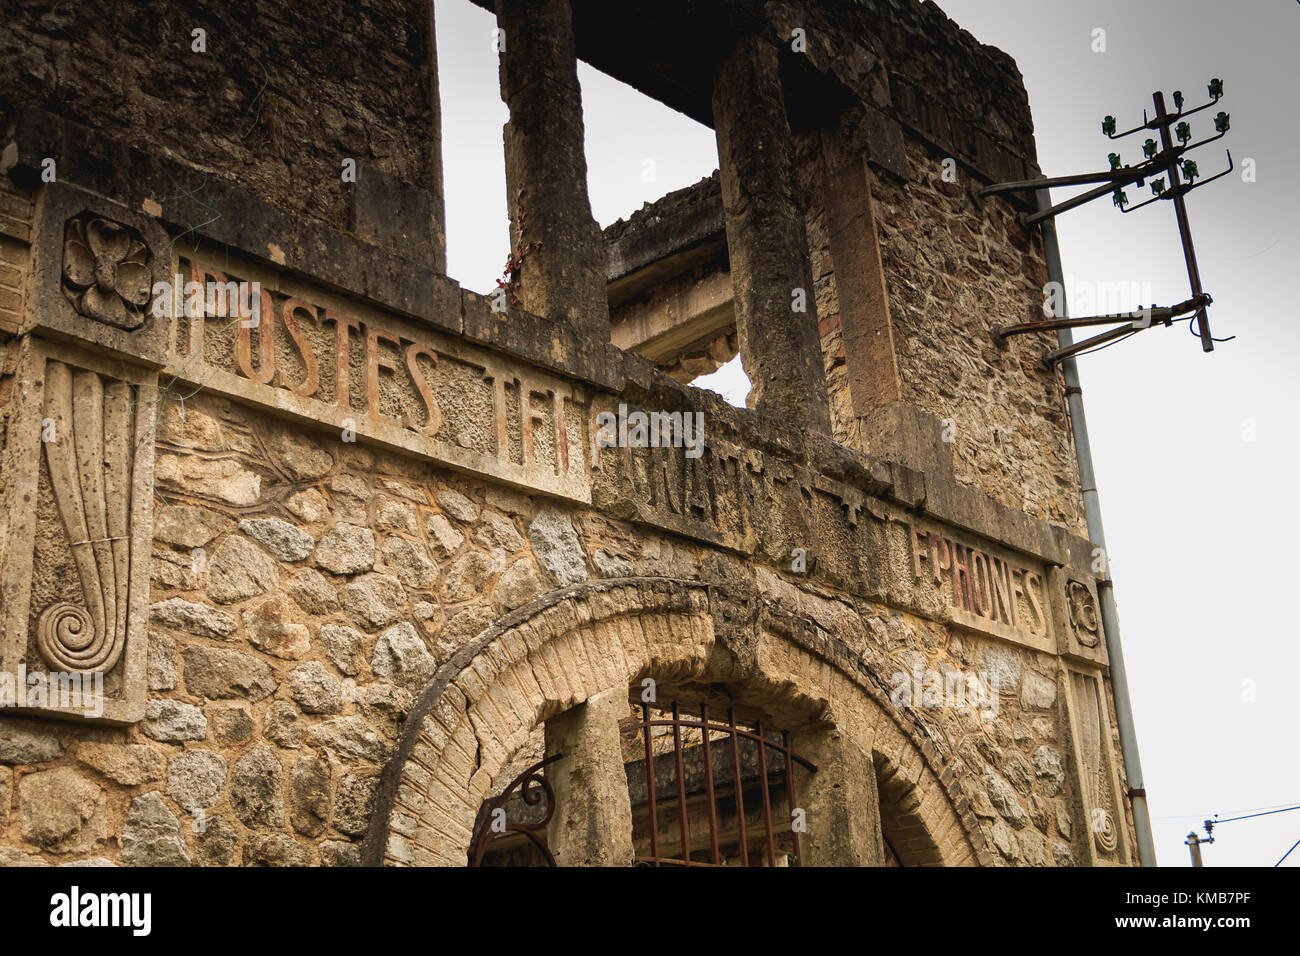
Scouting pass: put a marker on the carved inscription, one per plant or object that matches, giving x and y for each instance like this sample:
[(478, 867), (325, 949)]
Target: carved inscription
[(983, 586), (306, 353)]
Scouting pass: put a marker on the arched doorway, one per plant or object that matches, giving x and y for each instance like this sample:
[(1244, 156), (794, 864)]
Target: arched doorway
[(566, 664)]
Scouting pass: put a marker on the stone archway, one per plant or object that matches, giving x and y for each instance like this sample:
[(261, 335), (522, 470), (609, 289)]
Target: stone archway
[(904, 828), (576, 643)]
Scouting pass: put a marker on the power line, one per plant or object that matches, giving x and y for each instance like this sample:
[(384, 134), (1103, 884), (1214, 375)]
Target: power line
[(1286, 854), (1194, 842), (1252, 815), (1198, 816)]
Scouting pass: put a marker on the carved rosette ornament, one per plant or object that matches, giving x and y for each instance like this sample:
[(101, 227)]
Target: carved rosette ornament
[(106, 272), (1083, 614), (90, 473)]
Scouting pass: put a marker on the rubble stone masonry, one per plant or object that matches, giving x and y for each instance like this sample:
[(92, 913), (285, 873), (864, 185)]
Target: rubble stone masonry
[(338, 570)]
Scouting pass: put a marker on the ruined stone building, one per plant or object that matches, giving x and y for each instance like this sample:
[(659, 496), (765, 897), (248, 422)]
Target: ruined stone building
[(312, 556)]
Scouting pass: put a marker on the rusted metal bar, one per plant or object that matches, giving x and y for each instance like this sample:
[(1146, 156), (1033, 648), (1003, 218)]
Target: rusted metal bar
[(1110, 335), (650, 782), (684, 826), (739, 788), (1114, 177), (1160, 116), (767, 797), (1072, 203), (741, 731), (791, 799), (736, 733), (1162, 314), (714, 855)]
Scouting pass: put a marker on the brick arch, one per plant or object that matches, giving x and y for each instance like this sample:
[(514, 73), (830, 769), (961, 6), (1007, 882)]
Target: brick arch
[(902, 821), (919, 799), (557, 652)]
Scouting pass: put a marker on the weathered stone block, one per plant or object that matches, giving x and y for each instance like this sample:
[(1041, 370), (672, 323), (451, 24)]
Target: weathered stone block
[(152, 835), (62, 811)]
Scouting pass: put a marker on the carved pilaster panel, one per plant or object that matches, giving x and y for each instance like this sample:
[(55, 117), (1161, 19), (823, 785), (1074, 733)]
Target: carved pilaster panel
[(79, 507), (1093, 769)]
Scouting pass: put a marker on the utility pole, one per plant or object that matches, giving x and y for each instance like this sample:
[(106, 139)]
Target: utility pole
[(1194, 845), (1165, 158)]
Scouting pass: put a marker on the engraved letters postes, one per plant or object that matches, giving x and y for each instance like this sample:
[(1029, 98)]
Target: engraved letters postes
[(266, 339)]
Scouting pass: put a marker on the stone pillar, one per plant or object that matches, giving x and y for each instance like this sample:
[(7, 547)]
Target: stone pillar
[(559, 247), (592, 822), (888, 425), (841, 801), (433, 180), (869, 354), (767, 239)]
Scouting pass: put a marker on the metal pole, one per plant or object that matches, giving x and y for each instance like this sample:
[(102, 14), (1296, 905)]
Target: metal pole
[(1092, 512), (1184, 227), (1194, 847)]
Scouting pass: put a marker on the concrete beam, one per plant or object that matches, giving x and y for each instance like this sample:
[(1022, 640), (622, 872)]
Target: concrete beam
[(685, 315)]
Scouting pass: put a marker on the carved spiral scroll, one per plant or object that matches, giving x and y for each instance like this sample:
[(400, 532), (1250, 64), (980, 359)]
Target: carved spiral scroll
[(89, 460), (1092, 725), (1105, 835)]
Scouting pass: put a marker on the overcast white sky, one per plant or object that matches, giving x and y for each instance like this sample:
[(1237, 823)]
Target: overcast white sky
[(1202, 526)]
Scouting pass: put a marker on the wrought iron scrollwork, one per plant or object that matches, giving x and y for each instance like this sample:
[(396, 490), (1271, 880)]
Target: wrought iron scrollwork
[(533, 789)]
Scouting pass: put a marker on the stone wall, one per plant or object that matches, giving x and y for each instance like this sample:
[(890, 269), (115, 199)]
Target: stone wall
[(306, 588), (281, 96), (350, 508), (956, 269)]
